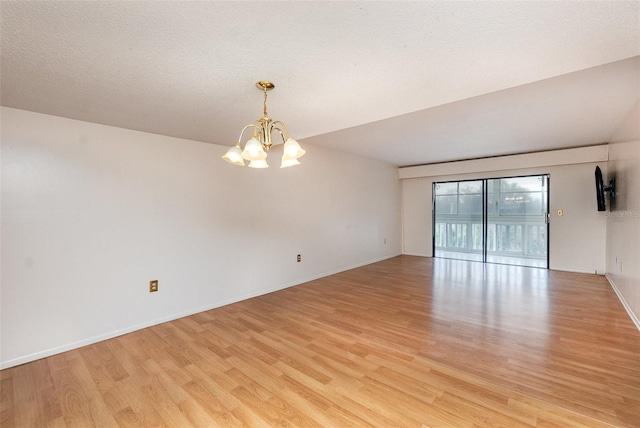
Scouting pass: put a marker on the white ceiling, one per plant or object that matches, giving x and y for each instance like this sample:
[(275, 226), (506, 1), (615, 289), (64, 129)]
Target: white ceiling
[(440, 80)]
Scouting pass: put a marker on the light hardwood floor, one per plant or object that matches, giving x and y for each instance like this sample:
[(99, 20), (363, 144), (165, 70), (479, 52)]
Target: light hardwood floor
[(405, 342)]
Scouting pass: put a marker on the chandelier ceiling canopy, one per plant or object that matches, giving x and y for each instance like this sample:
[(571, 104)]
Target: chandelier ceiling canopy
[(256, 148)]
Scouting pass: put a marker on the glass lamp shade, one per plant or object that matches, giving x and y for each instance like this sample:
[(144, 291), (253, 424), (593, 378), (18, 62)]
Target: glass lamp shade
[(253, 151), (292, 150), (234, 155), (288, 162), (259, 163)]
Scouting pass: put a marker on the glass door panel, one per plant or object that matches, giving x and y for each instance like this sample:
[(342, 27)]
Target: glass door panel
[(458, 231), (517, 220)]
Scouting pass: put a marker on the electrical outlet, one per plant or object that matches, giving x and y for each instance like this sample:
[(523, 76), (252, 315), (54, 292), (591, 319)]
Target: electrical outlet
[(299, 258), (153, 286), (560, 213)]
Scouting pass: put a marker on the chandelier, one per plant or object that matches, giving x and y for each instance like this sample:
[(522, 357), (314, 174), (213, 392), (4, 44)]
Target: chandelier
[(255, 150)]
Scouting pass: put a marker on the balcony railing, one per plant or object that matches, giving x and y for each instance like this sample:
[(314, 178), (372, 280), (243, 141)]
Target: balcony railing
[(522, 237)]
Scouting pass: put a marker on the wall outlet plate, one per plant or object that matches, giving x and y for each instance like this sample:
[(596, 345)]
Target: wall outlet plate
[(153, 286), (299, 258)]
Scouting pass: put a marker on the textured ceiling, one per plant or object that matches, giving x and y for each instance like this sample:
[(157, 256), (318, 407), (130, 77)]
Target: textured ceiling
[(187, 69)]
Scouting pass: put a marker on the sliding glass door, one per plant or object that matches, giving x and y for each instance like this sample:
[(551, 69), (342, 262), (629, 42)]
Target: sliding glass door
[(502, 220)]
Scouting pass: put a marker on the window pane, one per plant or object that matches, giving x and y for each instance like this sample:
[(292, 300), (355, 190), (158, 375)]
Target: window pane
[(440, 234), (534, 204), (470, 187), (512, 203), (446, 188), (509, 238), (538, 240), (446, 205), (476, 236), (470, 204), (522, 203), (521, 184), (491, 237)]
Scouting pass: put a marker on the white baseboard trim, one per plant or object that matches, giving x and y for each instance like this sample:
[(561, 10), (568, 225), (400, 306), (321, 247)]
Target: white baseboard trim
[(416, 254), (110, 335), (593, 272), (633, 316)]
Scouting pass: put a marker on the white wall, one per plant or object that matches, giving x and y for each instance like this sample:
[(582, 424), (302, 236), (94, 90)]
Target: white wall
[(91, 213), (577, 239), (623, 221)]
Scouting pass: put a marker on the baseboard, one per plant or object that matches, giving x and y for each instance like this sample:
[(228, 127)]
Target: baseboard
[(110, 335), (633, 316), (592, 272), (416, 254)]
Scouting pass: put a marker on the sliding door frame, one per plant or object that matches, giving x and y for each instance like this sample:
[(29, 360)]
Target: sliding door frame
[(485, 214)]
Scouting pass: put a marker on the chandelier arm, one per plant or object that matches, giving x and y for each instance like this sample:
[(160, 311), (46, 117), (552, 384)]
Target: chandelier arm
[(284, 127), (256, 127), (244, 129), (279, 131)]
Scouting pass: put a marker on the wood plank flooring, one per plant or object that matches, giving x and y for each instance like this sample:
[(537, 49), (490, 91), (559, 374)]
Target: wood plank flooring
[(405, 342)]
